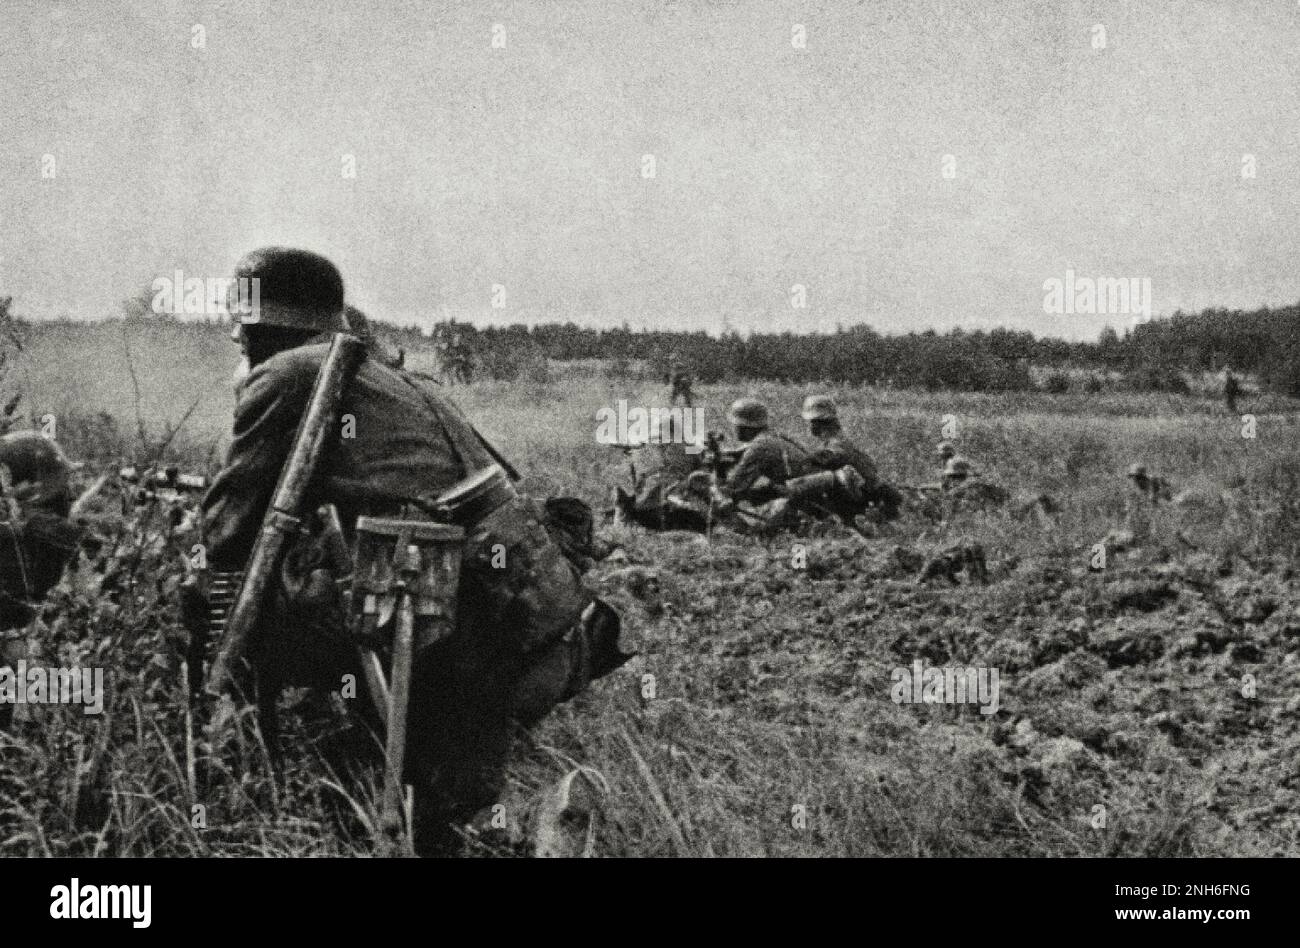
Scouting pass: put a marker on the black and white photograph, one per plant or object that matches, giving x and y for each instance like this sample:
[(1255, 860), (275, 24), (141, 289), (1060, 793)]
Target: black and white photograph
[(651, 430)]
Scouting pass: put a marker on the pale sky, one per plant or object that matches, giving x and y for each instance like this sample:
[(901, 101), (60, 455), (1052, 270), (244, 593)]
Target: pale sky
[(774, 165)]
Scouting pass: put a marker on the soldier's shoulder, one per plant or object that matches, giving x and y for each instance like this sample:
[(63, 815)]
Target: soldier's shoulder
[(841, 443), (762, 442)]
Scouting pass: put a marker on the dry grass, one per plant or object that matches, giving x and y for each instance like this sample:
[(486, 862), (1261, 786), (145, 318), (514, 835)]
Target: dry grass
[(771, 683)]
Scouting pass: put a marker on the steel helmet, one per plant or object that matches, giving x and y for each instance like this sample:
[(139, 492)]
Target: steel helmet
[(748, 413), (288, 288), (38, 469), (819, 408)]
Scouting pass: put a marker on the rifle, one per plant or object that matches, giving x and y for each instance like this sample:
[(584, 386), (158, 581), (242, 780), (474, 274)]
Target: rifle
[(284, 514)]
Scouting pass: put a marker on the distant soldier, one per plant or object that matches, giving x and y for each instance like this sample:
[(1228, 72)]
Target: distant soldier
[(664, 495), (1231, 390), (768, 460), (835, 451), (1148, 486), (946, 451), (679, 381), (456, 359), (964, 489)]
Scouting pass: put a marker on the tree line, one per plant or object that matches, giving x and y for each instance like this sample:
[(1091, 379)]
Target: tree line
[(1150, 356)]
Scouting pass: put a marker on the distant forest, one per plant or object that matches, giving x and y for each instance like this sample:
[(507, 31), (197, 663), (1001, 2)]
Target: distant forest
[(1154, 355)]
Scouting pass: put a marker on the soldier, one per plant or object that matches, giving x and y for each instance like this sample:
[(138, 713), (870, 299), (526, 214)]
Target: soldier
[(768, 460), (1231, 390), (946, 452), (679, 378), (459, 360), (407, 441), (663, 495), (964, 489), (36, 538), (835, 451), (1149, 487)]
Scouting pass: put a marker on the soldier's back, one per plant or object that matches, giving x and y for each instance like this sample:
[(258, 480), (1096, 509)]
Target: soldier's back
[(392, 446), (776, 457), (839, 451)]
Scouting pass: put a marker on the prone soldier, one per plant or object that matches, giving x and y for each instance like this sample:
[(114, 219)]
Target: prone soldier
[(964, 489)]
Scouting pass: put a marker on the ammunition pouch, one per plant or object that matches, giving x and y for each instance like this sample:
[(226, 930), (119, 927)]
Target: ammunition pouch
[(514, 578), (522, 593)]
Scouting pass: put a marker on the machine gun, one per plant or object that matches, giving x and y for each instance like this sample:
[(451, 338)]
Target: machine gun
[(719, 457), (168, 483)]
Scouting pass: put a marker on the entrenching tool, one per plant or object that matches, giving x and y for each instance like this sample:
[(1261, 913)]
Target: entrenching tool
[(404, 583)]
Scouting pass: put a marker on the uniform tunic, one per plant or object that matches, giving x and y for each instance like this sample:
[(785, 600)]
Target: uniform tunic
[(398, 449), (837, 451), (771, 456)]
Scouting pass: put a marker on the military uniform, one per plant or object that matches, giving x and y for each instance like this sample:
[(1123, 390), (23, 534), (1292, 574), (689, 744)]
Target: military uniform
[(400, 440), (976, 494), (834, 452), (680, 380), (663, 497), (36, 538), (399, 451), (837, 451), (768, 461), (963, 490)]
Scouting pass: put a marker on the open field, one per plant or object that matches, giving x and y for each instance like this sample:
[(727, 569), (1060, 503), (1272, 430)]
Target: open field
[(1148, 708)]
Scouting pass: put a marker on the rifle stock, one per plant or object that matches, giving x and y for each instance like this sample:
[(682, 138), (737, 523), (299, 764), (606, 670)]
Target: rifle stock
[(283, 516)]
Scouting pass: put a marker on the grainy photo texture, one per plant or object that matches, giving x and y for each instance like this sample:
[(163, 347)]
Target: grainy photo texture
[(649, 428)]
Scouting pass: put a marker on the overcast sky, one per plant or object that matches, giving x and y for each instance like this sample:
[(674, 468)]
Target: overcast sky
[(774, 165)]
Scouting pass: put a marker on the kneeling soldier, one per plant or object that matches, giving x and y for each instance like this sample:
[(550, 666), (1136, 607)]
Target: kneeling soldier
[(401, 442)]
